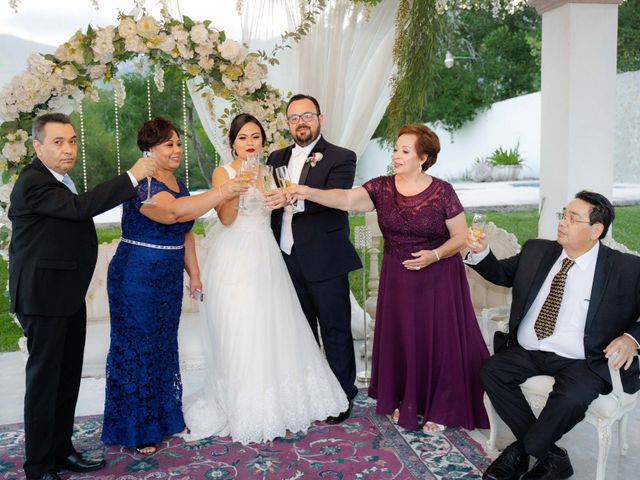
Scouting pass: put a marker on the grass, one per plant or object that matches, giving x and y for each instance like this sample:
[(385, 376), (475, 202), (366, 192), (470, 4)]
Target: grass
[(523, 224)]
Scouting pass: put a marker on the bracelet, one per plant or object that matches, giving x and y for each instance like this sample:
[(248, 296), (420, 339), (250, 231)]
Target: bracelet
[(436, 254)]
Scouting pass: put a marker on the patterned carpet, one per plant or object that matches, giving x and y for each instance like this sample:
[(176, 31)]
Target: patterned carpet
[(367, 446)]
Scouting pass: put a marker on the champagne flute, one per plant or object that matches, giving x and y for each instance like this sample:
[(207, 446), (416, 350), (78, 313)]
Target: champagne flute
[(266, 177), (285, 182), (148, 200), (478, 223), (248, 173)]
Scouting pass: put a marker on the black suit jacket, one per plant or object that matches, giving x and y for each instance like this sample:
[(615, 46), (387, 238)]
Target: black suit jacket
[(614, 305), (321, 234), (53, 246)]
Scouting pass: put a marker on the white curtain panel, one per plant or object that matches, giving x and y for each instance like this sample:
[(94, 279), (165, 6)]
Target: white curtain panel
[(345, 61)]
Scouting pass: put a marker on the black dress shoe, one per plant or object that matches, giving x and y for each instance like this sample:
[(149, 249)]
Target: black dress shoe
[(342, 417), (46, 476), (77, 463), (553, 466), (510, 465)]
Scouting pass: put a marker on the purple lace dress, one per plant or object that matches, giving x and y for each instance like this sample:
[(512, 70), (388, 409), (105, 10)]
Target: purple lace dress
[(428, 347)]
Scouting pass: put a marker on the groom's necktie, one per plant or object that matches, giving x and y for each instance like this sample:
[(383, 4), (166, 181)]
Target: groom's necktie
[(69, 183), (546, 321)]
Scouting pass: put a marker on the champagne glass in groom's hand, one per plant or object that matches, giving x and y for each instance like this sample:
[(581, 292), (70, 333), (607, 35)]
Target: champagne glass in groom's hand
[(282, 173)]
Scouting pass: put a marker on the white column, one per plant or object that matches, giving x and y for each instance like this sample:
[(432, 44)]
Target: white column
[(578, 102)]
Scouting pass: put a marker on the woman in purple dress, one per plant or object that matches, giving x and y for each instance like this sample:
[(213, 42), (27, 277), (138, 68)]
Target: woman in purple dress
[(428, 347)]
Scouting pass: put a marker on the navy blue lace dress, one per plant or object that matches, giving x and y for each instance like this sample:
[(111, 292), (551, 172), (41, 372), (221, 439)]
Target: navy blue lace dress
[(144, 391)]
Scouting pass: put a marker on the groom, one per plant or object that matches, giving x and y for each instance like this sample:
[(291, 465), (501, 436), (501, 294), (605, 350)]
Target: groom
[(315, 242)]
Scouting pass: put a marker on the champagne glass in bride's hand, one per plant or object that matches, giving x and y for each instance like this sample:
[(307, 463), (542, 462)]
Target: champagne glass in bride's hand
[(266, 179), (282, 173), (148, 200), (248, 174)]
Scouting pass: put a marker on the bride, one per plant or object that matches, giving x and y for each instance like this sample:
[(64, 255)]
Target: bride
[(265, 374)]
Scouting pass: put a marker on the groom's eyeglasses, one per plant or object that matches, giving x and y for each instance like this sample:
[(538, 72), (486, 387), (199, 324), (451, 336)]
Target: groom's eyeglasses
[(305, 117)]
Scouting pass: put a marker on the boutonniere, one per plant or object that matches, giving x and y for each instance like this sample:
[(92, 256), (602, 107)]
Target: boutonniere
[(314, 158)]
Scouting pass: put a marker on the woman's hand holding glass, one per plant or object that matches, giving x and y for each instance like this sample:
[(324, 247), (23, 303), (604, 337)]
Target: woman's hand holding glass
[(249, 174), (232, 188)]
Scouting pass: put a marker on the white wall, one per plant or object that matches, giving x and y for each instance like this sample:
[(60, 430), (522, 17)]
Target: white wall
[(518, 119)]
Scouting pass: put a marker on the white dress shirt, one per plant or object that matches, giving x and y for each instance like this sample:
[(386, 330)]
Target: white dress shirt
[(568, 337), (299, 156)]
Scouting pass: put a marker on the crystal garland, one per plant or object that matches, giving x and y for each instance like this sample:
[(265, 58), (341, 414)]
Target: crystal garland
[(184, 129), (117, 129), (82, 148)]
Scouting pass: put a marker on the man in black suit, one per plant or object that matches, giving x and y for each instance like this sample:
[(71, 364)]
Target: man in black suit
[(52, 255), (575, 303), (315, 242)]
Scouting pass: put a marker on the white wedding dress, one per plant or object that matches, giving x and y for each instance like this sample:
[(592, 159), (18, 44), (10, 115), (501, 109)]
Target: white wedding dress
[(265, 372)]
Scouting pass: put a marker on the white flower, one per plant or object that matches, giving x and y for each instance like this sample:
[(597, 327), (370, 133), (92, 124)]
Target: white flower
[(119, 90), (206, 63), (199, 33), (38, 65), (168, 45), (127, 27), (147, 27), (254, 71), (13, 152), (96, 71), (184, 51), (68, 72), (233, 51), (204, 50), (103, 44), (158, 77), (179, 34), (135, 44)]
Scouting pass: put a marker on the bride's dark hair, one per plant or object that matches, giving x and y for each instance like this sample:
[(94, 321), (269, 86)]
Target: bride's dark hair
[(240, 121)]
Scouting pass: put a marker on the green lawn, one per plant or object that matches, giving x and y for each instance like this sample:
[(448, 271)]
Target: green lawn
[(523, 224)]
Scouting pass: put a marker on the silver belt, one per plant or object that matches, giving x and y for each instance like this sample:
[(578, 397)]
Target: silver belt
[(152, 245)]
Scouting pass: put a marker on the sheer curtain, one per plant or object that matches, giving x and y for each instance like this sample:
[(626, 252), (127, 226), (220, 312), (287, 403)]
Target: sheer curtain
[(345, 61)]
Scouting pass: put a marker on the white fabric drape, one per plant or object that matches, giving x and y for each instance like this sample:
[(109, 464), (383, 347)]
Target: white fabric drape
[(345, 61)]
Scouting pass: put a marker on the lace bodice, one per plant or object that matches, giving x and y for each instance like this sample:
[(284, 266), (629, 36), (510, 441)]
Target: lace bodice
[(416, 222), (254, 215)]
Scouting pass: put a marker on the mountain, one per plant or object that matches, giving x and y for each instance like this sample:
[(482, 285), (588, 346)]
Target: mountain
[(14, 52)]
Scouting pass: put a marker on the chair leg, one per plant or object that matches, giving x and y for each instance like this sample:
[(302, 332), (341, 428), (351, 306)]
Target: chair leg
[(604, 443), (622, 434), (493, 424)]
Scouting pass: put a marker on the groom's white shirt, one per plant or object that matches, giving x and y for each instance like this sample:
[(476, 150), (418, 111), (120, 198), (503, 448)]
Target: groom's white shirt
[(296, 163)]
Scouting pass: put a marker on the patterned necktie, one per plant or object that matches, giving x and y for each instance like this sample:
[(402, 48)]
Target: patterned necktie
[(69, 183), (546, 321)]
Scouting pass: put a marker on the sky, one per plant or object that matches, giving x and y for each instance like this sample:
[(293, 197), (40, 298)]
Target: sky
[(53, 22)]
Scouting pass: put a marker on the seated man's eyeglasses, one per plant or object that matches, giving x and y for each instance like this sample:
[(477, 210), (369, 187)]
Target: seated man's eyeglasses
[(306, 117), (570, 218)]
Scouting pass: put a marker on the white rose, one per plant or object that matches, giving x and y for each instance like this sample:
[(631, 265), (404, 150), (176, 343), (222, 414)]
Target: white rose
[(179, 34), (204, 50), (22, 135), (232, 51), (13, 152), (103, 44), (206, 63), (127, 27), (199, 33), (168, 45), (135, 44), (30, 82), (147, 27), (253, 70), (184, 51), (97, 71)]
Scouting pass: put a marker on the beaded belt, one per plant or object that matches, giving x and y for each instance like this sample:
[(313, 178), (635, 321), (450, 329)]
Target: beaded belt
[(152, 245)]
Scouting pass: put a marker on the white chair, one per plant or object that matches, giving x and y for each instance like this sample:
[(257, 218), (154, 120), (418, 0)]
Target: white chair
[(603, 413)]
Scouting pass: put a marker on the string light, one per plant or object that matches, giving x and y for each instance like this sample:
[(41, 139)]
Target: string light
[(184, 129), (117, 124), (148, 99), (83, 152)]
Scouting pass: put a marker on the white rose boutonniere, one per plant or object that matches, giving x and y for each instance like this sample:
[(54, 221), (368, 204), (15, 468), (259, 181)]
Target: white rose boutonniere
[(314, 158)]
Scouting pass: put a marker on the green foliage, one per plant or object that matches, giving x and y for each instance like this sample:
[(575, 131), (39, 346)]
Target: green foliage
[(417, 28), (629, 36), (100, 135), (506, 156), (9, 331)]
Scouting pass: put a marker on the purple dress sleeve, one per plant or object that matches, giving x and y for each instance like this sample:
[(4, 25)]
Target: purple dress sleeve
[(451, 202), (374, 189)]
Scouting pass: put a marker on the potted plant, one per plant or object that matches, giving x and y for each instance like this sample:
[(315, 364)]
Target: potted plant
[(506, 163)]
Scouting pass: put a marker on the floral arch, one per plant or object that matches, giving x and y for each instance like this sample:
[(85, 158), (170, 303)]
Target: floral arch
[(219, 66)]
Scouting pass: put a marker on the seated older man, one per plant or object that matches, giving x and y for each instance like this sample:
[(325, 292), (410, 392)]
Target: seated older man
[(575, 303)]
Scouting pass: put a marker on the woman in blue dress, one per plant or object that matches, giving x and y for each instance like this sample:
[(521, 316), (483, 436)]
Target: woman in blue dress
[(143, 400)]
